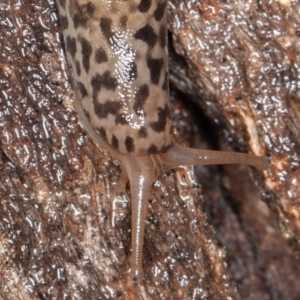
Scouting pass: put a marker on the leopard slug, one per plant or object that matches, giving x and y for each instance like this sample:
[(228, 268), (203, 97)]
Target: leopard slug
[(117, 51)]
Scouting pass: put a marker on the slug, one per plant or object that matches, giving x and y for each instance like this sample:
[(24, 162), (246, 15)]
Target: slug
[(117, 51)]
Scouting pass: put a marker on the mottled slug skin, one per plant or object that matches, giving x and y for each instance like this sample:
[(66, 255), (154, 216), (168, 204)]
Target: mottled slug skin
[(117, 50)]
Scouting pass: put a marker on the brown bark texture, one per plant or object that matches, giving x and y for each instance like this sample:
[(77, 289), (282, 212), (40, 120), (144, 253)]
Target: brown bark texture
[(65, 232)]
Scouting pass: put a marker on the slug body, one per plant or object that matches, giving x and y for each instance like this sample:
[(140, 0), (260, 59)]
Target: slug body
[(117, 51)]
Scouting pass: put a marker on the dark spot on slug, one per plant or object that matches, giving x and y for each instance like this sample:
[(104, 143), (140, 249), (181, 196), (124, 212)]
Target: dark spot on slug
[(144, 5), (120, 119), (109, 82), (64, 23), (163, 116), (155, 66), (143, 132), (87, 115), (160, 11), (79, 20), (140, 98), (129, 144), (100, 56), (133, 71), (77, 67), (106, 80), (71, 46), (90, 9), (105, 25), (166, 81), (114, 142), (81, 89), (102, 110), (82, 14), (152, 150), (96, 82), (123, 21), (147, 35), (102, 132), (86, 51)]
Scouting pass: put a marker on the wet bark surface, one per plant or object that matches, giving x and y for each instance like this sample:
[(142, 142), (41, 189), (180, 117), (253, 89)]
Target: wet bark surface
[(65, 233), (242, 64)]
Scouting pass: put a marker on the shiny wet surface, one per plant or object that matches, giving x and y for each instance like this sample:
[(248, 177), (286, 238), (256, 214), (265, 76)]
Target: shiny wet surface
[(66, 234)]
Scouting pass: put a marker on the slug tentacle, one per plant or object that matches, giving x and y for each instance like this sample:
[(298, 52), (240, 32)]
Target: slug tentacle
[(195, 157), (142, 173)]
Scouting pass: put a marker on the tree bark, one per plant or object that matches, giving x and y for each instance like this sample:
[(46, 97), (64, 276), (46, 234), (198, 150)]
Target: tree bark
[(65, 232)]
